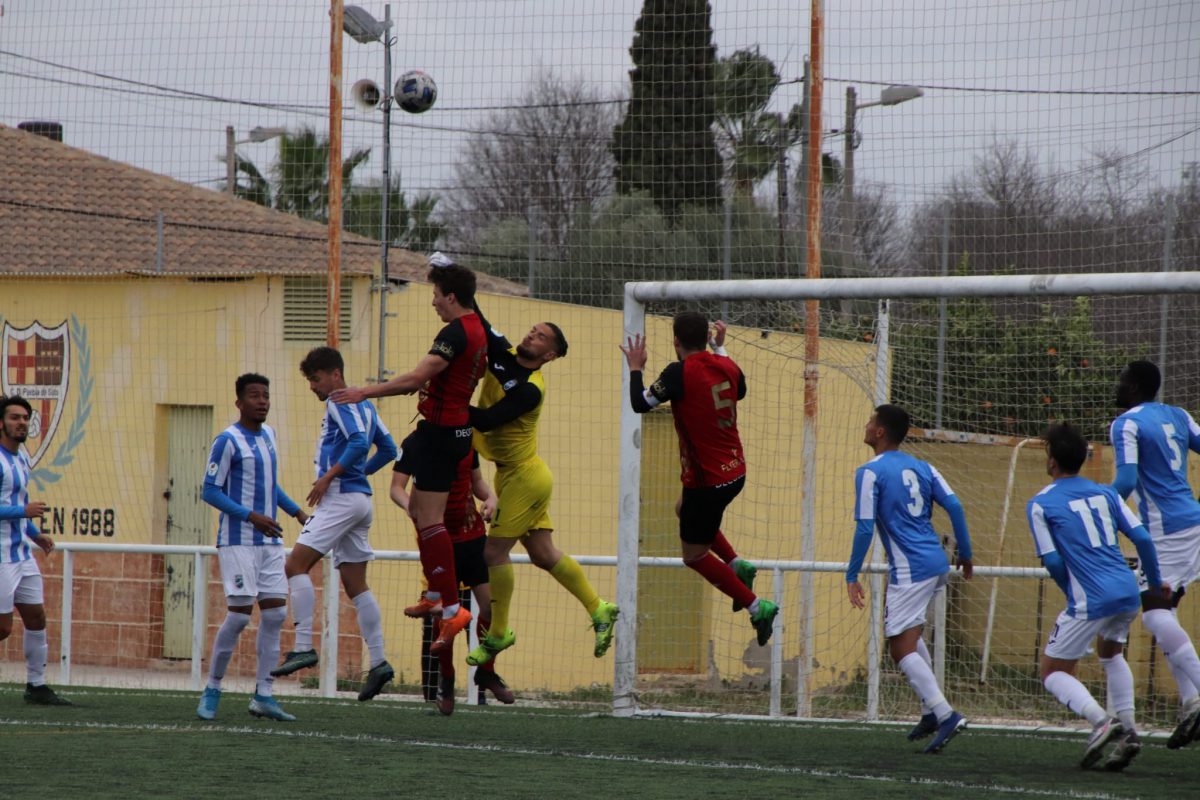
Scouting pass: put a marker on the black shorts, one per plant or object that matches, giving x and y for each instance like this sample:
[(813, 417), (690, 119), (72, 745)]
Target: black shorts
[(431, 455), (702, 508), (469, 566)]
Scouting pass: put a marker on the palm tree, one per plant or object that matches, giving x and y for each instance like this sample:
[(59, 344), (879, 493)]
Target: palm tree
[(749, 138), (299, 182), (301, 175)]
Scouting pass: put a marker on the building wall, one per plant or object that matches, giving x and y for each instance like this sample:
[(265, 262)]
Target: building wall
[(143, 345)]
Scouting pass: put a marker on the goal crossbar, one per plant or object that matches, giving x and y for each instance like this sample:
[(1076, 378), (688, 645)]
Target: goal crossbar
[(949, 286)]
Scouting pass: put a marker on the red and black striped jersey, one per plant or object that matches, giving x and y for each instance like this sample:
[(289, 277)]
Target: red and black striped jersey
[(445, 399), (704, 390)]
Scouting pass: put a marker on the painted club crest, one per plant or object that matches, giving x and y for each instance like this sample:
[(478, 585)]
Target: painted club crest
[(37, 366), (36, 362)]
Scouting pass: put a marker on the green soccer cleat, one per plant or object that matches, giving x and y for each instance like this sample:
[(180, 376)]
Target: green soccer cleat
[(603, 623), (745, 572), (295, 660), (43, 695), (764, 620), (490, 647)]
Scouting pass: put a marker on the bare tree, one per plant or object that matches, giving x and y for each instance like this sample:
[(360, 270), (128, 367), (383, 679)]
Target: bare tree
[(543, 161)]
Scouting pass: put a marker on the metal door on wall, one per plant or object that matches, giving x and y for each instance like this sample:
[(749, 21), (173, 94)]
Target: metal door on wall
[(189, 437)]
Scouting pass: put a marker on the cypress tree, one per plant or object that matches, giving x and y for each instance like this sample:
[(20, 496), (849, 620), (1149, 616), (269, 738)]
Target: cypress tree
[(665, 144)]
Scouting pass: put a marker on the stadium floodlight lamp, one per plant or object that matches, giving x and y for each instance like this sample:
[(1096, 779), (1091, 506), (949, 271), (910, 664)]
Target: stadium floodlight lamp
[(362, 26), (895, 95), (261, 134)]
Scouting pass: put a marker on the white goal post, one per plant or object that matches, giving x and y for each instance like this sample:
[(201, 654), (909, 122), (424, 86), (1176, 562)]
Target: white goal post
[(636, 298)]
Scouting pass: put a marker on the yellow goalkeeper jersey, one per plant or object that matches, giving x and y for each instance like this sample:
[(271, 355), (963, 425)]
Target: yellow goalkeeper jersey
[(513, 442)]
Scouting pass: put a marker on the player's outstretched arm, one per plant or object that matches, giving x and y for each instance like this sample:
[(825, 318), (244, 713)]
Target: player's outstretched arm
[(716, 338), (409, 382), (521, 400), (962, 538)]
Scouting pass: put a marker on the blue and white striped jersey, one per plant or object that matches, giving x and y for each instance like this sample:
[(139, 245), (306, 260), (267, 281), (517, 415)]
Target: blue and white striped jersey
[(340, 423), (244, 466), (1156, 438), (1079, 520), (895, 490), (14, 496)]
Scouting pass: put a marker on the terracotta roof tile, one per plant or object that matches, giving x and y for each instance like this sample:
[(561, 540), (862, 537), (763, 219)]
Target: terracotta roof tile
[(64, 211)]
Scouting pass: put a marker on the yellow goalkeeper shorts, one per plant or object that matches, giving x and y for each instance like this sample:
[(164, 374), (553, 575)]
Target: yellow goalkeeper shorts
[(523, 499)]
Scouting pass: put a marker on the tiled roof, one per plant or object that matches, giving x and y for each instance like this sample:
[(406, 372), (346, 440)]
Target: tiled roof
[(65, 211)]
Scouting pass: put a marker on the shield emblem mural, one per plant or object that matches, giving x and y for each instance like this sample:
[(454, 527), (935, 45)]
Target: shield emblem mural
[(35, 362)]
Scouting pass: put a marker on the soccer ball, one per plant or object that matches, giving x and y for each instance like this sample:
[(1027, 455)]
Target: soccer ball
[(416, 91)]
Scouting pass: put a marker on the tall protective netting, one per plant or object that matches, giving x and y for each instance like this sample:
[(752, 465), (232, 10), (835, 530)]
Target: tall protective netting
[(166, 191), (983, 369)]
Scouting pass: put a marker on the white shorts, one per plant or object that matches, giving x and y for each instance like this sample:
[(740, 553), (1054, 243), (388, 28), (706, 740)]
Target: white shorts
[(1072, 638), (20, 582), (905, 606), (340, 524), (1178, 557), (250, 571)]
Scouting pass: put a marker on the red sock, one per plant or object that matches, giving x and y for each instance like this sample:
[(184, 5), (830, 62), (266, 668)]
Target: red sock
[(720, 575), (446, 656), (437, 561), (722, 549)]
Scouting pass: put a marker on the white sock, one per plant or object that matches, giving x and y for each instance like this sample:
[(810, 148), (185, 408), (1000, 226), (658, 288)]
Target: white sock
[(35, 656), (1175, 644), (370, 623), (1075, 696), (1187, 690), (923, 652), (1120, 689), (920, 676), (448, 611), (304, 601), (752, 609), (223, 646), (270, 623)]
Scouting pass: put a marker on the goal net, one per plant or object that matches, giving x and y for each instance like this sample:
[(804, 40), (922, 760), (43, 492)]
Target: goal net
[(982, 365)]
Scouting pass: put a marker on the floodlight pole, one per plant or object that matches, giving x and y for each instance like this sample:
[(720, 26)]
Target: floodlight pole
[(334, 287), (385, 233)]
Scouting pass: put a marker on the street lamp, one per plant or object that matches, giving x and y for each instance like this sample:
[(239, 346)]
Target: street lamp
[(361, 26), (891, 96), (259, 134)]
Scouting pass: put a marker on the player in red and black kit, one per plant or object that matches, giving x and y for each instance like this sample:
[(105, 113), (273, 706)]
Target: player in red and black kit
[(704, 389), (466, 525), (446, 378)]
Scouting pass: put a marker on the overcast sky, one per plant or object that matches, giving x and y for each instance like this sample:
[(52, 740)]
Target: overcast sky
[(1064, 66)]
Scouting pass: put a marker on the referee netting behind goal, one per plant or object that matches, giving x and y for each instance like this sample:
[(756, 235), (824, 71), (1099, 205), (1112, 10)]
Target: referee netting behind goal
[(982, 370)]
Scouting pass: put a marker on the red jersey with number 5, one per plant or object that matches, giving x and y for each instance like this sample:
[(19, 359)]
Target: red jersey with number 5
[(704, 390), (446, 397)]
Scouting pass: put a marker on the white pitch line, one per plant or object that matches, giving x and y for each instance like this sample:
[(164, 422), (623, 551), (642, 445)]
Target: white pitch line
[(522, 751)]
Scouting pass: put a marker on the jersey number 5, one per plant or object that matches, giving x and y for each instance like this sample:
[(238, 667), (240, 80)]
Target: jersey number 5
[(723, 402), (1176, 453)]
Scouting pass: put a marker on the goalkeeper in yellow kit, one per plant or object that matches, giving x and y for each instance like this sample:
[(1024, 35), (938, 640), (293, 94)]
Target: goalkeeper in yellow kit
[(505, 423)]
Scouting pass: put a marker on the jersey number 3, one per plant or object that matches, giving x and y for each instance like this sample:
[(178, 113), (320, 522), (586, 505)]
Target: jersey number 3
[(917, 504)]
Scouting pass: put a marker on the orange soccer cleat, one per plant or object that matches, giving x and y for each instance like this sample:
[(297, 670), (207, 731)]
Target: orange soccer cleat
[(449, 629), (423, 607)]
